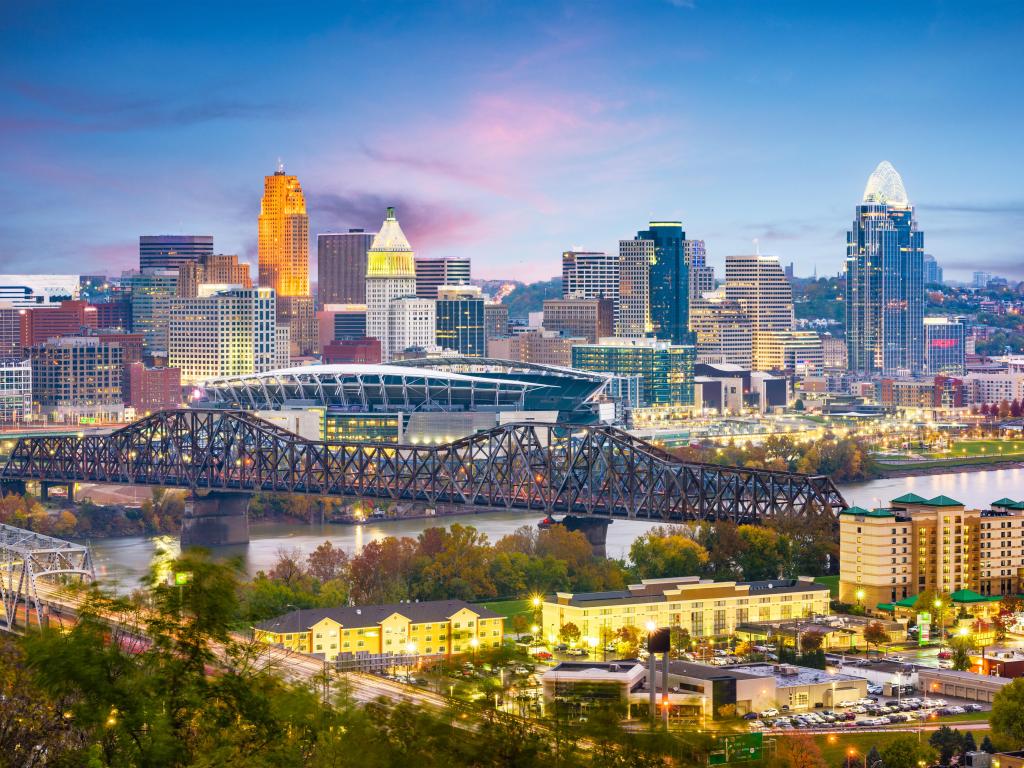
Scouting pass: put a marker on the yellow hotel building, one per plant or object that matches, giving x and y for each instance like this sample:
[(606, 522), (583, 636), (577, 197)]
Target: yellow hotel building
[(917, 545), (702, 607), (435, 628)]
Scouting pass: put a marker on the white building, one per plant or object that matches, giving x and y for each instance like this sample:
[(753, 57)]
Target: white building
[(28, 291), (988, 388), (412, 322), (759, 285), (634, 315), (391, 276), (225, 333)]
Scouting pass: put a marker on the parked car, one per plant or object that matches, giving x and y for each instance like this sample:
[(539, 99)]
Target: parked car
[(770, 712), (751, 716), (973, 707)]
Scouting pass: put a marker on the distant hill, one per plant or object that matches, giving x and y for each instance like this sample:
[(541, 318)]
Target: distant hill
[(530, 298)]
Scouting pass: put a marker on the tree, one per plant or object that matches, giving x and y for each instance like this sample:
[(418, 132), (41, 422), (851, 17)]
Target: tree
[(569, 633), (875, 634), (811, 641), (627, 640), (986, 745), (680, 638), (799, 751), (1007, 717), (904, 751), (947, 742), (873, 759), (665, 552), (961, 645), (969, 744), (327, 562), (520, 623), (288, 568)]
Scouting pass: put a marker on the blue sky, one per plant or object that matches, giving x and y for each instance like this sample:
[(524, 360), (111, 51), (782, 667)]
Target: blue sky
[(510, 131)]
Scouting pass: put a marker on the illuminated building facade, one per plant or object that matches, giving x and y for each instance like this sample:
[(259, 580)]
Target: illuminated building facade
[(151, 295), (634, 309), (885, 280), (217, 268), (460, 320), (393, 313), (759, 287), (434, 272), (591, 275), (669, 281), (15, 391), (25, 291), (666, 369), (945, 345), (590, 319), (78, 376), (228, 333)]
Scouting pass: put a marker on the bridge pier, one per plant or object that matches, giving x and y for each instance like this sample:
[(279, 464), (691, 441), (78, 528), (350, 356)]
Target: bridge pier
[(594, 528), (215, 519), (46, 485)]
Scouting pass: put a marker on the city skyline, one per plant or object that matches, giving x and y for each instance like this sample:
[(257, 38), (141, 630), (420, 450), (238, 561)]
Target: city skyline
[(563, 134)]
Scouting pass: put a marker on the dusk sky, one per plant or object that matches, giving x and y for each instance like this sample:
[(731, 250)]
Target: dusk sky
[(510, 131)]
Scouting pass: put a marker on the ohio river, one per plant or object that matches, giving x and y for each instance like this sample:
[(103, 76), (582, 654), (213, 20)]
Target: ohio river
[(122, 562)]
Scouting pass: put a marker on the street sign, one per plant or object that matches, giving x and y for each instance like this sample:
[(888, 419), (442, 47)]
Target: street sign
[(737, 748), (181, 578), (924, 627)]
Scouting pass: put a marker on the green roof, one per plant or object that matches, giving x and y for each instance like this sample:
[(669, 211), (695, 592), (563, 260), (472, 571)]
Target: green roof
[(885, 606), (967, 596), (910, 498), (1004, 502), (943, 501), (907, 602), (861, 512)]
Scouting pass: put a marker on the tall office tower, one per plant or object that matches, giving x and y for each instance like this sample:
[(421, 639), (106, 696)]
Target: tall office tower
[(633, 318), (702, 275), (284, 257), (945, 348), (590, 275), (171, 251), (980, 280), (722, 330), (150, 297), (460, 319), (341, 267), (390, 277), (667, 369), (432, 273), (10, 333), (15, 391), (670, 281), (495, 321), (224, 333), (591, 319), (885, 280), (78, 376), (932, 271), (759, 286), (217, 269), (341, 322)]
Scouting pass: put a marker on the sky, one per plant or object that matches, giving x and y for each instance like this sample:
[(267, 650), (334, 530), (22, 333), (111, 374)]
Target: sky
[(510, 131)]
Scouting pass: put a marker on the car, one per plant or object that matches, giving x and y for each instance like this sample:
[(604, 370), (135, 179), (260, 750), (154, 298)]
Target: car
[(561, 647), (544, 655), (859, 709), (898, 718), (866, 700), (944, 664), (577, 652), (875, 689), (973, 708), (770, 712), (956, 710), (520, 670), (945, 654), (751, 716)]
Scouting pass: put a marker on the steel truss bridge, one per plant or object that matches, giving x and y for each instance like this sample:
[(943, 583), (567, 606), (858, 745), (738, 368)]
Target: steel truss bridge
[(595, 471), (31, 565)]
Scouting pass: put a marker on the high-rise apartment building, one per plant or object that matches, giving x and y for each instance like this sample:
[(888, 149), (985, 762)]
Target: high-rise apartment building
[(69, 318), (460, 319), (833, 352), (15, 391), (11, 347), (981, 279), (722, 331), (171, 251), (393, 313), (759, 286), (885, 280), (633, 318), (590, 275), (341, 266), (78, 376), (932, 271), (669, 281), (702, 275), (590, 319), (434, 272), (945, 345), (151, 293), (226, 333), (213, 269), (284, 257), (495, 323)]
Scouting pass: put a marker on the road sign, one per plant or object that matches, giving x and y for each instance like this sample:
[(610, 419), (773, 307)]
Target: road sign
[(924, 627), (737, 748)]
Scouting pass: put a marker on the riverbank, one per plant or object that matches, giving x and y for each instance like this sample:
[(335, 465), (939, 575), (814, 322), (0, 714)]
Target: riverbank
[(925, 468)]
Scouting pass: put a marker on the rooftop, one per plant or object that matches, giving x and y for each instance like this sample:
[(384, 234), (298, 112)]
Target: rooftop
[(371, 615), (655, 590), (789, 675), (885, 185)]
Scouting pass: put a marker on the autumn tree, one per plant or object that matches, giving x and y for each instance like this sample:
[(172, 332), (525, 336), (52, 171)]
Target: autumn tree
[(327, 562), (904, 751), (875, 634), (1007, 717), (569, 633), (811, 641), (665, 552), (798, 751)]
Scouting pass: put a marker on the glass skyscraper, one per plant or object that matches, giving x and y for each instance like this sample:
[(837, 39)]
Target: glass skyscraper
[(670, 281), (885, 280), (666, 370)]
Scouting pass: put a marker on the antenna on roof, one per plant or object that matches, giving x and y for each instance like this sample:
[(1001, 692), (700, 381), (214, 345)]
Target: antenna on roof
[(757, 247), (280, 165)]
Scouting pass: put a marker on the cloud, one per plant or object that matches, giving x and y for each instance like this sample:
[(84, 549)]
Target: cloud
[(994, 209), (55, 108), (427, 224), (687, 4)]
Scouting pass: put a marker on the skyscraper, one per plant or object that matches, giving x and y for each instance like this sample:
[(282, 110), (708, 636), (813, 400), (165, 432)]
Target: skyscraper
[(702, 275), (460, 319), (932, 271), (341, 266), (393, 313), (670, 281), (284, 257), (434, 272), (885, 280), (590, 275), (634, 313), (171, 251), (758, 286)]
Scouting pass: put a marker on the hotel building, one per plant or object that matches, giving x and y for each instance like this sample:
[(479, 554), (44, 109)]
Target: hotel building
[(433, 628)]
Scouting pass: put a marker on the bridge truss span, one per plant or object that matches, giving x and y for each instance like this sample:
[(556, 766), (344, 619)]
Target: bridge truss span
[(596, 470), (27, 559)]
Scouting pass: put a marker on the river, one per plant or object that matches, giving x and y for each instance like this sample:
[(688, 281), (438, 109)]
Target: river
[(122, 562)]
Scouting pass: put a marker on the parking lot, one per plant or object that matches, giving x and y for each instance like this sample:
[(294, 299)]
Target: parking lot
[(870, 712)]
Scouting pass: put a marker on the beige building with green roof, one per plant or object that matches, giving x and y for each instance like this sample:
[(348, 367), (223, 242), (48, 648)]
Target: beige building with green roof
[(890, 555)]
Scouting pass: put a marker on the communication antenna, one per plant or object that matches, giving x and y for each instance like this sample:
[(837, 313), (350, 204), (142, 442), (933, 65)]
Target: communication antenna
[(280, 165), (757, 247)]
